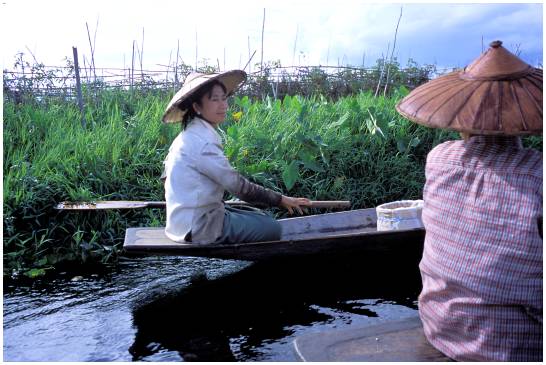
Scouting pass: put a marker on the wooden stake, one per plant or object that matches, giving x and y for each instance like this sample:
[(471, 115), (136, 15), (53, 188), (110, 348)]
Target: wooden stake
[(78, 85)]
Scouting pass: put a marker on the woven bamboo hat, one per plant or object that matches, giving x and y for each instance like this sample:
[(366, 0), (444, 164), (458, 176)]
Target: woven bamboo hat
[(193, 82), (498, 93)]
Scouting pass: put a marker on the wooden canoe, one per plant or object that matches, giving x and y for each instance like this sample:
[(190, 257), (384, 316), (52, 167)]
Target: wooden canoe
[(398, 340), (331, 233)]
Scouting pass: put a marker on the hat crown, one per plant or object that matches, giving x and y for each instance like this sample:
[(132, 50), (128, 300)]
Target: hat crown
[(497, 63), (193, 75), (176, 109)]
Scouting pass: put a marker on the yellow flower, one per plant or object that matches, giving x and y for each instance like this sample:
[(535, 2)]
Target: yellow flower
[(237, 116)]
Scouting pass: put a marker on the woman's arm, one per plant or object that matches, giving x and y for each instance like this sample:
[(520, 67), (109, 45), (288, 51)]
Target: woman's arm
[(216, 166)]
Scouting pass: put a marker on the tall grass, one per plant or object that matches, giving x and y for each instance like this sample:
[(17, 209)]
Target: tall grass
[(49, 158), (356, 148)]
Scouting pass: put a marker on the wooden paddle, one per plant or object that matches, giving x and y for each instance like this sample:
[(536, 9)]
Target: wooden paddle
[(130, 204)]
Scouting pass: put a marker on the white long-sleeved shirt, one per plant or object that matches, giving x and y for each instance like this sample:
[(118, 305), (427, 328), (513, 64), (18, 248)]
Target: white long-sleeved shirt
[(197, 174)]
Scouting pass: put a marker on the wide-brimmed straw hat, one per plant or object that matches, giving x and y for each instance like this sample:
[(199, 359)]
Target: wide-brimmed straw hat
[(194, 81), (498, 93)]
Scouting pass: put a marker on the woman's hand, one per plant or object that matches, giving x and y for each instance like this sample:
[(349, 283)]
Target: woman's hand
[(290, 204)]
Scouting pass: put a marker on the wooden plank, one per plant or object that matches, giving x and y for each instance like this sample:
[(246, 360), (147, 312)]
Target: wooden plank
[(320, 225), (402, 340)]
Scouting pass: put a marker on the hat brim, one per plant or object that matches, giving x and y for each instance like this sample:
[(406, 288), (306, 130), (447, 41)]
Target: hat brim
[(232, 80), (507, 107)]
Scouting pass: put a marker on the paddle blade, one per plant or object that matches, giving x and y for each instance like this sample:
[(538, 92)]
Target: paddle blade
[(103, 205)]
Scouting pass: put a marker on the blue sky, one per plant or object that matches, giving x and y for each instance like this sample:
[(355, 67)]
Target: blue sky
[(296, 32)]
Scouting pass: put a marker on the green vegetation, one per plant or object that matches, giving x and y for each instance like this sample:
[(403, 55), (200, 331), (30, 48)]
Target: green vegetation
[(49, 158), (357, 148), (353, 147)]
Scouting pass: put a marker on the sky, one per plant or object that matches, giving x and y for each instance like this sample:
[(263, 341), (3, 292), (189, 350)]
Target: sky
[(226, 33)]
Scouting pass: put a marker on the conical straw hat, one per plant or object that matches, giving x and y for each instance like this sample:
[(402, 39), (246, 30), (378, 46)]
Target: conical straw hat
[(498, 93), (175, 111)]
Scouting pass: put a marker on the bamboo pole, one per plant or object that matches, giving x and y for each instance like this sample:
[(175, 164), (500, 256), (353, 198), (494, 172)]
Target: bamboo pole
[(382, 70), (262, 58), (142, 55), (176, 65), (249, 57), (91, 46), (392, 53), (85, 68), (295, 42), (328, 52), (133, 66), (196, 50), (249, 61), (168, 66)]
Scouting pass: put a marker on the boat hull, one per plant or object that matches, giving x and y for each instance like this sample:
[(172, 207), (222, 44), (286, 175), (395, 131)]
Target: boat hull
[(324, 234)]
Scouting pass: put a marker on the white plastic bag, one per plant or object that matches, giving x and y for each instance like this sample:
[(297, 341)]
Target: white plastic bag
[(402, 214)]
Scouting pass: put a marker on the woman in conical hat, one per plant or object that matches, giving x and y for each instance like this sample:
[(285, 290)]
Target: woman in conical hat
[(482, 259), (197, 173)]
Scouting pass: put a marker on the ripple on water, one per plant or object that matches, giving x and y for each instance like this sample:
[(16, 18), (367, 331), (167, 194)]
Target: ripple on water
[(174, 308)]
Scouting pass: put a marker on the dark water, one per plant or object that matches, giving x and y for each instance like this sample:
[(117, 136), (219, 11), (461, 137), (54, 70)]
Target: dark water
[(174, 309)]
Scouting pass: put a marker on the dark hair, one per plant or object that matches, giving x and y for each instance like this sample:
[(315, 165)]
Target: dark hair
[(196, 98)]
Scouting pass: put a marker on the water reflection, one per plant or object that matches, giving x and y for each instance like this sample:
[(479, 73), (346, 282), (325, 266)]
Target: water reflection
[(58, 318), (233, 317)]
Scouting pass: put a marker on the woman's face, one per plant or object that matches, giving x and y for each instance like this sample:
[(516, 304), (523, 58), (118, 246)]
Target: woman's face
[(213, 109)]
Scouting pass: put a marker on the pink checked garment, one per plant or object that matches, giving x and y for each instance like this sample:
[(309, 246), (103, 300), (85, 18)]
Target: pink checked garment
[(482, 261)]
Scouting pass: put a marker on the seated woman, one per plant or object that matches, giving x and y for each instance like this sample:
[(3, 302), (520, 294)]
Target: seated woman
[(482, 261), (198, 173)]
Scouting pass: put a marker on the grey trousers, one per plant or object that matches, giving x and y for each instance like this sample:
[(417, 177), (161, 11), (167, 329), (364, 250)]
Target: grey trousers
[(242, 225)]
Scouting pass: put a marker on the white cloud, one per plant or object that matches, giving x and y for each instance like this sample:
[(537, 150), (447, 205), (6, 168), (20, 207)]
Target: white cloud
[(448, 34)]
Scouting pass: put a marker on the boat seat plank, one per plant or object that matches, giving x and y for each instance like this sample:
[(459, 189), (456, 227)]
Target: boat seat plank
[(401, 340), (148, 236)]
